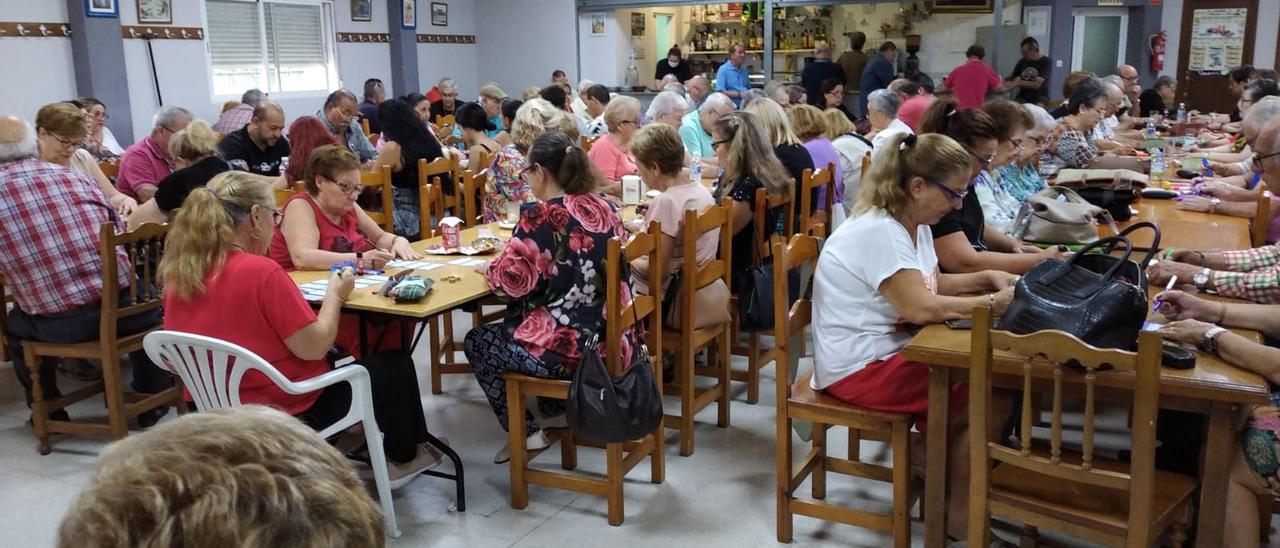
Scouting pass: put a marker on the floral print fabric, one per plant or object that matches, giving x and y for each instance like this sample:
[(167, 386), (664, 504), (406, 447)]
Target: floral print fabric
[(505, 184), (1068, 147), (553, 269)]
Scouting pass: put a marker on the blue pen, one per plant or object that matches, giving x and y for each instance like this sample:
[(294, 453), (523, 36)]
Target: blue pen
[(1253, 182), (1204, 162), (1159, 301)]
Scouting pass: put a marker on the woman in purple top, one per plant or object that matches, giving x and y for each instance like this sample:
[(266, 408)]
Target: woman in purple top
[(810, 126)]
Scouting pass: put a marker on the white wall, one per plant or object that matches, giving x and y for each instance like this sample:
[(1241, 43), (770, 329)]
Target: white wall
[(358, 62), (457, 61), (522, 41), (604, 58), (46, 60)]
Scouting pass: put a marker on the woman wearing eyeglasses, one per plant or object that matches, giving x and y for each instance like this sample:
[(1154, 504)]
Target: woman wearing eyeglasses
[(963, 239), (999, 207), (100, 142), (1021, 177), (217, 283), (742, 144), (1071, 143), (60, 130), (609, 153), (195, 160)]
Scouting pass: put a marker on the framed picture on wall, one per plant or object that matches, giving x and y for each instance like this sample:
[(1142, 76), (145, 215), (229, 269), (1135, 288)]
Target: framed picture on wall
[(155, 12), (439, 14), (102, 8), (362, 10), (962, 6), (597, 24), (409, 14)]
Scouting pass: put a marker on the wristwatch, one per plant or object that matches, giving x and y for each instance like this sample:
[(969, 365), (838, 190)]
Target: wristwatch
[(1210, 343), (1201, 278)]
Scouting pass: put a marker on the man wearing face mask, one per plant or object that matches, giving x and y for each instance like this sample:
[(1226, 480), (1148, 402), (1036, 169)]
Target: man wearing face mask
[(673, 64)]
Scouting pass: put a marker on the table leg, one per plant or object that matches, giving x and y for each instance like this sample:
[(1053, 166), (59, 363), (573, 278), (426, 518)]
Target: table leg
[(1213, 474), (935, 482)]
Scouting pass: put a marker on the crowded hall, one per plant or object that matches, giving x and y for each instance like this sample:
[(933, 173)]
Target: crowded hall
[(540, 273)]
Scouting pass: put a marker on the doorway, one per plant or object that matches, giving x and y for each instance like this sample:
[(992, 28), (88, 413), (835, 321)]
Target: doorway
[(1100, 35), (664, 34)]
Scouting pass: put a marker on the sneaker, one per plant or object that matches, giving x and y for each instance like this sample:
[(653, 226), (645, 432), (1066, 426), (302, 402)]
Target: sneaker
[(401, 474), (536, 441)]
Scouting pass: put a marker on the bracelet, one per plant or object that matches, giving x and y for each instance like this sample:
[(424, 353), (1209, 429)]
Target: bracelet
[(1200, 256), (991, 301)]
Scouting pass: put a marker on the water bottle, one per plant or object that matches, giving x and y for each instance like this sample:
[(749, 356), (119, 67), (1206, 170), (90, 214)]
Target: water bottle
[(695, 168), (1157, 168), (1182, 112), (1151, 128)]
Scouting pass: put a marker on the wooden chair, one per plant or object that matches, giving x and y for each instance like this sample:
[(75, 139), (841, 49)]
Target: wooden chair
[(480, 162), (799, 401), (473, 184), (815, 222), (364, 126), (380, 180), (1077, 493), (758, 357), (585, 143), (430, 173), (144, 246), (1261, 220), (684, 340), (111, 170), (282, 197), (621, 457)]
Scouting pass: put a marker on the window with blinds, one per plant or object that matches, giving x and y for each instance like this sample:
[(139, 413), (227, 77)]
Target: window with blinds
[(275, 46)]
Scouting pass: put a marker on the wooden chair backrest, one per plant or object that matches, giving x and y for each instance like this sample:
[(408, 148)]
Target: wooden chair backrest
[(445, 120), (586, 143), (1067, 355), (430, 173), (764, 234), (429, 205), (282, 197), (866, 163), (789, 319), (380, 180), (110, 170), (618, 317), (143, 248), (472, 192), (697, 276), (481, 161), (1261, 219), (364, 126), (810, 182)]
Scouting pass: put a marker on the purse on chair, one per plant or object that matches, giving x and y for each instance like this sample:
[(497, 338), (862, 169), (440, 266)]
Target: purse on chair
[(1101, 308), (1057, 215), (1111, 189), (611, 410)]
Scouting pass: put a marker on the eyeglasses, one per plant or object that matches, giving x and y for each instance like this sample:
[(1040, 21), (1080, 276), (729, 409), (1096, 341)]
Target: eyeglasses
[(715, 144), (1258, 159), (986, 161), (66, 143), (347, 189), (950, 193), (276, 216), (1017, 144), (100, 116)]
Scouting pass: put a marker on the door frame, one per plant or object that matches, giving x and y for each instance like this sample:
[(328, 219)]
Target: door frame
[(1077, 32)]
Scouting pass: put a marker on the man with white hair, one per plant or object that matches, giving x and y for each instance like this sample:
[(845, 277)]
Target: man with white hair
[(53, 213), (147, 162), (695, 128), (1104, 132), (374, 94), (1239, 181), (697, 88), (579, 103), (447, 102), (239, 116)]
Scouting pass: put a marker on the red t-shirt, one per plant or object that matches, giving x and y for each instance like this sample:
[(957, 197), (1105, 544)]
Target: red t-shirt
[(254, 304), (342, 237), (912, 109), (971, 81)]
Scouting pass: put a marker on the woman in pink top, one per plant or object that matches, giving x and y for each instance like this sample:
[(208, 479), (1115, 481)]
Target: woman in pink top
[(609, 153)]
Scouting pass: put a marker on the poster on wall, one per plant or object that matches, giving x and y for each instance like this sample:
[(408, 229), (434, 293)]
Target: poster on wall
[(439, 14), (637, 24), (1217, 39), (597, 24)]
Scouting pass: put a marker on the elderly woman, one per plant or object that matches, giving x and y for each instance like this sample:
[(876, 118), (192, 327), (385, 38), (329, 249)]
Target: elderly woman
[(882, 112), (1159, 99), (1071, 143), (218, 283), (793, 155), (506, 189), (548, 321), (407, 140), (878, 272), (667, 108), (100, 142), (778, 92), (195, 160), (609, 153), (743, 146), (811, 128), (1020, 177), (60, 129), (1238, 150), (448, 103), (832, 90), (491, 97), (999, 207), (851, 148)]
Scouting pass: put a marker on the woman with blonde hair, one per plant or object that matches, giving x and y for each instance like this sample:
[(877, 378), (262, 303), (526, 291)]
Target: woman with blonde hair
[(506, 190), (811, 128), (194, 151), (609, 153), (878, 272), (60, 130), (795, 158), (219, 283), (745, 154), (851, 148)]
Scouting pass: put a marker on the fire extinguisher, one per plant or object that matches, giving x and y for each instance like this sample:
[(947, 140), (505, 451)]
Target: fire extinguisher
[(1156, 45)]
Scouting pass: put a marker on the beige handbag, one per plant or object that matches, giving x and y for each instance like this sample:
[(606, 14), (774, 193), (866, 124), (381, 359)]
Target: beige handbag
[(1058, 215)]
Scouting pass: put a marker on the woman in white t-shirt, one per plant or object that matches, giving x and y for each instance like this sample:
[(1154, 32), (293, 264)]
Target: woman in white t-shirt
[(878, 279)]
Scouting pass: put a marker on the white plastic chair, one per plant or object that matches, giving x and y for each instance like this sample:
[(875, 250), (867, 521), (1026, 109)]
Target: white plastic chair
[(212, 370)]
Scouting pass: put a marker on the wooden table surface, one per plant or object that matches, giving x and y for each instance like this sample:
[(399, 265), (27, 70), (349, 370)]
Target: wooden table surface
[(1180, 234)]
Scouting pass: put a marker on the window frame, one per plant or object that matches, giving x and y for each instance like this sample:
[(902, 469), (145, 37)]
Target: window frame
[(327, 32)]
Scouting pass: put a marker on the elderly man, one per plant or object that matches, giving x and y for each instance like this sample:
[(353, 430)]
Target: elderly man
[(878, 73), (1252, 274), (1237, 188), (853, 61), (147, 162), (579, 102), (339, 115), (259, 146), (597, 98), (1132, 89), (448, 102), (882, 112), (238, 117), (698, 89), (912, 101), (820, 70), (1104, 132), (695, 128), (732, 79), (50, 260), (374, 94)]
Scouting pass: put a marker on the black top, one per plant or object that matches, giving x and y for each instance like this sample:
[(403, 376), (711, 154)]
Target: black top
[(745, 191), (968, 219), (437, 110), (1061, 111), (1150, 102), (1029, 70), (369, 111), (1235, 115), (814, 74), (239, 151), (173, 190), (682, 70), (796, 159)]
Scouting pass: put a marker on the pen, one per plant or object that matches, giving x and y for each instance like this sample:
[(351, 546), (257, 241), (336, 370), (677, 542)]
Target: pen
[(1159, 301), (1168, 252)]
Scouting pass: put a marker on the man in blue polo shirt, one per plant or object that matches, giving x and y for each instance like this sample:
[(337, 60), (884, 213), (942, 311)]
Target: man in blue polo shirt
[(877, 74), (732, 79)]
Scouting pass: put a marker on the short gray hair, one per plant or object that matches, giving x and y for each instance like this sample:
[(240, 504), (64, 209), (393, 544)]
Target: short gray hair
[(714, 100), (373, 87), (1114, 80), (253, 97), (170, 116), (1263, 111), (885, 101), (22, 149), (446, 83), (752, 95), (584, 84), (1041, 119), (1164, 81), (665, 103)]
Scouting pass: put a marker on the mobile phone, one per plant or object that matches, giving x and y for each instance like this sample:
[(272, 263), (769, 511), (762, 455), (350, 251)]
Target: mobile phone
[(959, 324)]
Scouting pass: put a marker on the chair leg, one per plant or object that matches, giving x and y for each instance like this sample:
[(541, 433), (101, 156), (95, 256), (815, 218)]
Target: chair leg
[(855, 444), (39, 408), (901, 487), (818, 478), (687, 394), (783, 479), (446, 340), (658, 458), (433, 342), (568, 450), (720, 354), (113, 384), (517, 450), (378, 462), (1266, 504), (614, 475), (753, 368)]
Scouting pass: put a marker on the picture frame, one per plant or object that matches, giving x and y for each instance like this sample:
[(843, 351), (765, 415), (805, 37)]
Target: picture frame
[(102, 8), (597, 24), (362, 10), (409, 14), (962, 6), (637, 24), (155, 12), (439, 14)]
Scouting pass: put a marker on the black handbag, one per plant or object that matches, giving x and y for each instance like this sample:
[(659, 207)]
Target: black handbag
[(1100, 308), (754, 288), (611, 410), (1115, 200), (1130, 271)]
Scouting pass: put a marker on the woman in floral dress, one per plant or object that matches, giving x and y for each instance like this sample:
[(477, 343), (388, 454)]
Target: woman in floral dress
[(553, 272)]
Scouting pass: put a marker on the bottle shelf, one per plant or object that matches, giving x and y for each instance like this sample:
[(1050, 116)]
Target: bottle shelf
[(755, 51)]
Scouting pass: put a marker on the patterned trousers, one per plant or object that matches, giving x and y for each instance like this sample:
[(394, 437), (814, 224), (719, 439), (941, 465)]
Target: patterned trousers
[(407, 213), (491, 352)]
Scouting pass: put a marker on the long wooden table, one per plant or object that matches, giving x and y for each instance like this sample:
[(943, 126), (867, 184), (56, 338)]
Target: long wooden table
[(1213, 388), (1185, 229)]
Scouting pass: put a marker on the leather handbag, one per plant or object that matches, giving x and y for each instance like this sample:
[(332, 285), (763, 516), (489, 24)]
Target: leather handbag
[(1057, 215), (611, 410), (1130, 271), (1100, 308), (1111, 189)]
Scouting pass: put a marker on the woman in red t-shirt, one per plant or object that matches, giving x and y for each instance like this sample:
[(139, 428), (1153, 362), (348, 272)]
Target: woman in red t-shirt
[(217, 283)]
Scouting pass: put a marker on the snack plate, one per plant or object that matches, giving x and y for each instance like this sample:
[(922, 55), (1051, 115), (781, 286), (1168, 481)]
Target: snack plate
[(505, 225), (478, 247)]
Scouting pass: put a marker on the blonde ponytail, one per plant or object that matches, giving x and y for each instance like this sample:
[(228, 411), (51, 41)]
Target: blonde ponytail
[(195, 142), (932, 156), (204, 230)]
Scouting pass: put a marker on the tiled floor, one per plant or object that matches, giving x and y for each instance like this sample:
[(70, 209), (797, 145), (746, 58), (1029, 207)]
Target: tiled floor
[(721, 496)]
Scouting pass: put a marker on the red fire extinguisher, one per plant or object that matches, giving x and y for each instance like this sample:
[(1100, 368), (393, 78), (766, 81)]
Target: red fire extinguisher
[(1156, 45)]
